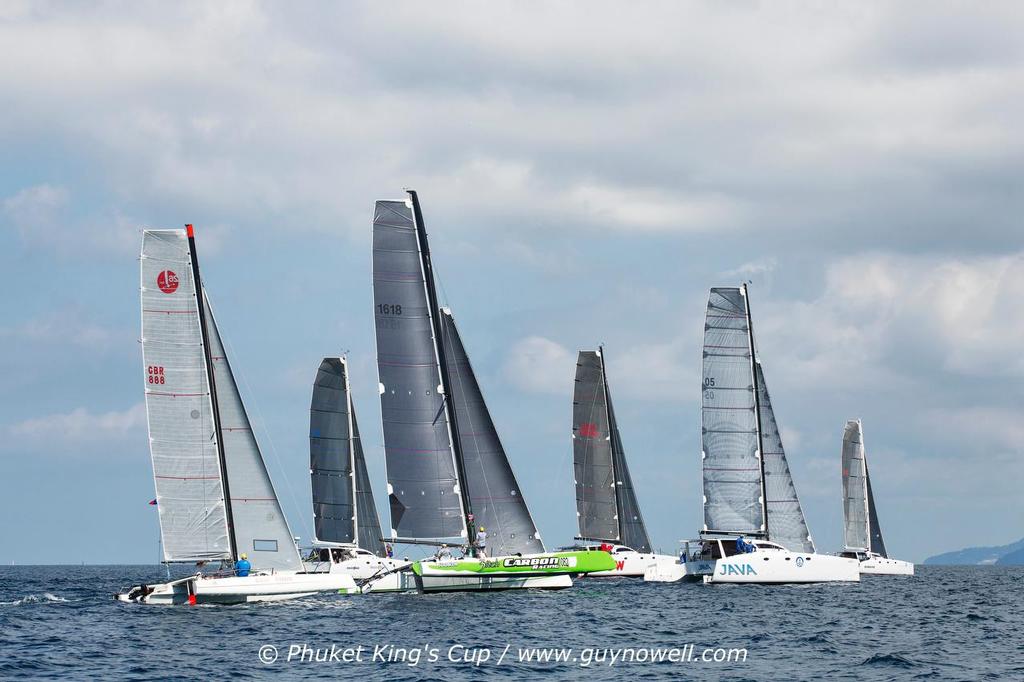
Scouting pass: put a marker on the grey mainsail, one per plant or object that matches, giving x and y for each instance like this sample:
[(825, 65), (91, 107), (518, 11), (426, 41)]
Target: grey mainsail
[(856, 534), (495, 497), (606, 504), (260, 528), (593, 466), (182, 435), (733, 494), (422, 480), (786, 523), (343, 507)]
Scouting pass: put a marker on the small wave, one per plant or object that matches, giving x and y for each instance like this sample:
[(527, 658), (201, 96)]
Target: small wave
[(894, 660), (44, 598)]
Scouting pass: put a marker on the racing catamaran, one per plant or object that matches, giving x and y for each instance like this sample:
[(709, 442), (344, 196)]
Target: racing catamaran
[(449, 479), (607, 510), (215, 499), (346, 527), (748, 488), (862, 534)]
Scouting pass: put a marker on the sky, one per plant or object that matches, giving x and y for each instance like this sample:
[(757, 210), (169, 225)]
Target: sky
[(587, 172)]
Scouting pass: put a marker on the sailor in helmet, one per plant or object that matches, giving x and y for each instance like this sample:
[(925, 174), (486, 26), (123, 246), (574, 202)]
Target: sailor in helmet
[(242, 567), (481, 542)]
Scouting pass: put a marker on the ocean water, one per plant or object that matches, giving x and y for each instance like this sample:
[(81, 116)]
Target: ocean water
[(962, 623)]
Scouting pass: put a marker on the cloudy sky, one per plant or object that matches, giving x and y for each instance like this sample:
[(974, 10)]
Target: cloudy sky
[(587, 171)]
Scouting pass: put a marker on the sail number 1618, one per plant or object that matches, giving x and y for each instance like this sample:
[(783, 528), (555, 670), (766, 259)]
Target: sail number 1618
[(389, 308)]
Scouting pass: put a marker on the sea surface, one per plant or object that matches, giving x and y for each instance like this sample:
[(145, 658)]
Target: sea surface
[(962, 623)]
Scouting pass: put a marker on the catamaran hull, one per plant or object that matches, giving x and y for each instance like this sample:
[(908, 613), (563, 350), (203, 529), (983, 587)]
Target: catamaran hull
[(882, 566), (463, 583), (237, 590), (631, 565), (780, 566), (676, 571)]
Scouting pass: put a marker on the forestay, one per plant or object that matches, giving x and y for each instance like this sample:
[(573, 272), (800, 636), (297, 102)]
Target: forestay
[(729, 437), (182, 438), (495, 496), (855, 500), (786, 523), (260, 528), (422, 480)]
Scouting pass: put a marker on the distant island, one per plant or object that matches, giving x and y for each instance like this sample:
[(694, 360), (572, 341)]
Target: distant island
[(1004, 555)]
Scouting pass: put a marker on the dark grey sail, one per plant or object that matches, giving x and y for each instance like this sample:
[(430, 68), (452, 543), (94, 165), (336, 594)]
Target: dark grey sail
[(423, 489), (632, 531), (330, 456), (495, 497), (733, 493), (343, 506), (592, 453), (877, 544)]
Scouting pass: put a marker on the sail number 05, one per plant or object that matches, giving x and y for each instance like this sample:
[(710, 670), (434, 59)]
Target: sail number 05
[(709, 385), (389, 308)]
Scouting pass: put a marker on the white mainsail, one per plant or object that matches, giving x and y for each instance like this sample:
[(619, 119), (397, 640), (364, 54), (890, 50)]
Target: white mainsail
[(195, 458)]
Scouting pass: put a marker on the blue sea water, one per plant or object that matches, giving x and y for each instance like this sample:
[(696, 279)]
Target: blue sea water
[(60, 622)]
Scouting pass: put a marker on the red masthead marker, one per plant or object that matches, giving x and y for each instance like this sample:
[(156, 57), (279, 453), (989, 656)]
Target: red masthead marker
[(189, 230)]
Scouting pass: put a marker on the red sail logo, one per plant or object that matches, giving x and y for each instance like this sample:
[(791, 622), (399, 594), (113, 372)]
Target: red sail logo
[(167, 281), (588, 430)]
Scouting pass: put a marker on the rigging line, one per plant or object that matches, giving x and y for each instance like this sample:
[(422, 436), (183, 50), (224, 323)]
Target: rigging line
[(238, 371)]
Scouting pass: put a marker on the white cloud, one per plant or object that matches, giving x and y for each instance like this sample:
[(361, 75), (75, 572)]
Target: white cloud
[(539, 365), (82, 425)]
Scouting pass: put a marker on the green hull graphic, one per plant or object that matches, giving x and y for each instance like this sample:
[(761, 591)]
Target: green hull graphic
[(533, 564)]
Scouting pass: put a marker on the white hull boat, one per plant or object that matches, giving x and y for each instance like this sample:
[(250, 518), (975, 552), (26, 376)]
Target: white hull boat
[(214, 496), (772, 564), (862, 532), (201, 589), (748, 487), (689, 566), (630, 563), (875, 564)]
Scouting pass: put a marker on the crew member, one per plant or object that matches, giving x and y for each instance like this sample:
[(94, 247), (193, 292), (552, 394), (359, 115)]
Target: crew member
[(481, 542), (242, 567), (389, 551), (444, 553)]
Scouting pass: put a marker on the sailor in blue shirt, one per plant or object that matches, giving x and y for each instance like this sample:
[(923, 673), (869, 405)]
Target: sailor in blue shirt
[(242, 567)]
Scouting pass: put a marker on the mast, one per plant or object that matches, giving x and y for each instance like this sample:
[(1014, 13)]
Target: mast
[(213, 390), (611, 426), (757, 413), (351, 456), (442, 361)]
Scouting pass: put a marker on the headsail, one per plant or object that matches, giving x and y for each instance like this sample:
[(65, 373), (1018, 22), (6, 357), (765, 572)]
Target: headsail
[(260, 528), (343, 507), (422, 481), (856, 535), (496, 499), (606, 504), (593, 466), (733, 494), (877, 544), (182, 437), (632, 531), (786, 523)]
